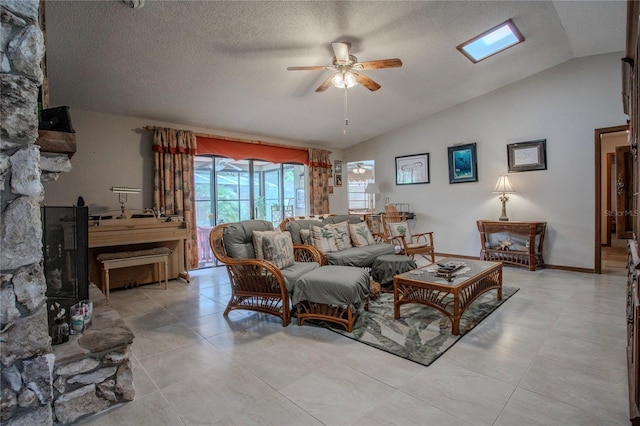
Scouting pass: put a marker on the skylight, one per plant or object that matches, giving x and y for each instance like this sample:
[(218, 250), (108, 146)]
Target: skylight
[(490, 42)]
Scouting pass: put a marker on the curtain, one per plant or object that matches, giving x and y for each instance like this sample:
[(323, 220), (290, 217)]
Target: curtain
[(319, 172), (173, 181)]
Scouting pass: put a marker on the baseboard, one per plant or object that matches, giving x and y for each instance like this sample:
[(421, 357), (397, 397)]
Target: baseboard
[(547, 266), (572, 269)]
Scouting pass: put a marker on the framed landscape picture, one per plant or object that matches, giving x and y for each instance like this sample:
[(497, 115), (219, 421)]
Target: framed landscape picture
[(412, 169), (526, 156), (463, 163)]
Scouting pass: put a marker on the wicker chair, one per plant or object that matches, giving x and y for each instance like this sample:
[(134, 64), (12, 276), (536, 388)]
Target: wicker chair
[(257, 285), (420, 244), (392, 214)]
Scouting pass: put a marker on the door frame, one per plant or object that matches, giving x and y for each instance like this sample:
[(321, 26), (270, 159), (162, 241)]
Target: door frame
[(610, 159), (598, 193)]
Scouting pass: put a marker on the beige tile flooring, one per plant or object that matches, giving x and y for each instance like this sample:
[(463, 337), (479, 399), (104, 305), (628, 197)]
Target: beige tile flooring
[(552, 354)]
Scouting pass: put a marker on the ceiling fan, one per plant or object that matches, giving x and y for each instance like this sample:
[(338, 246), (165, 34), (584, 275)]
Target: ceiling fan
[(347, 69)]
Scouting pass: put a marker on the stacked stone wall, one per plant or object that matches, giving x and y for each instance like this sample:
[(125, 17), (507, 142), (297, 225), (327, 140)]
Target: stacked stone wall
[(40, 385), (26, 359)]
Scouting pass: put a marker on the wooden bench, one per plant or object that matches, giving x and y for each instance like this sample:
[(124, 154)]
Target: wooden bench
[(158, 256)]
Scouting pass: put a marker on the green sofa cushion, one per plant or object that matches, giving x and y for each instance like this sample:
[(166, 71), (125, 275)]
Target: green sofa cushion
[(238, 237), (359, 256), (295, 226), (342, 218), (333, 285), (295, 271)]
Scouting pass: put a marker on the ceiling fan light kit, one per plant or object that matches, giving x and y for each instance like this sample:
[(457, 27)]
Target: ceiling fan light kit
[(343, 80)]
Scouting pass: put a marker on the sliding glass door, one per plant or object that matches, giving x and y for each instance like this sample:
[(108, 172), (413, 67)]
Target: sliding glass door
[(232, 190)]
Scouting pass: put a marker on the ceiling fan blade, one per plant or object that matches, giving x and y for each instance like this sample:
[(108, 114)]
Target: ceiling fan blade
[(312, 68), (366, 81), (341, 50), (325, 84), (380, 63)]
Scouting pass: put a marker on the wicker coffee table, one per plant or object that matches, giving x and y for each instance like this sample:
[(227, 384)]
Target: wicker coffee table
[(429, 287)]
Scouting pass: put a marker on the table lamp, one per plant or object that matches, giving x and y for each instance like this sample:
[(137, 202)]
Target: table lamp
[(503, 186), (372, 189), (123, 192)]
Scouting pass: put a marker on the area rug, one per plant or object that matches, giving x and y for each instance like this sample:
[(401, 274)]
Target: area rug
[(422, 333)]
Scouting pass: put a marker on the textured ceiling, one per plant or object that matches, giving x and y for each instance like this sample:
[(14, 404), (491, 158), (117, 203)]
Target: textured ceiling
[(222, 64)]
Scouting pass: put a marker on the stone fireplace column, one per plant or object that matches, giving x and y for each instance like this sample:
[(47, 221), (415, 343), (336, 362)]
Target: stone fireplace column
[(26, 360)]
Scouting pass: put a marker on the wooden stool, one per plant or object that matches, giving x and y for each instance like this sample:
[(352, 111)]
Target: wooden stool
[(158, 256)]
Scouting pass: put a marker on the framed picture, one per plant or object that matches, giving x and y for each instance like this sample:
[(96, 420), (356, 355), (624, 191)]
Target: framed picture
[(338, 180), (463, 163), (412, 169), (526, 156), (300, 198), (337, 166)]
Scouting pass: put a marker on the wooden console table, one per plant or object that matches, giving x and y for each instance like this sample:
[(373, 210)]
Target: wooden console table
[(517, 243)]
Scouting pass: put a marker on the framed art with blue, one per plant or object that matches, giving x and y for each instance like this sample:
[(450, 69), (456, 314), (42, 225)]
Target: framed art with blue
[(463, 163)]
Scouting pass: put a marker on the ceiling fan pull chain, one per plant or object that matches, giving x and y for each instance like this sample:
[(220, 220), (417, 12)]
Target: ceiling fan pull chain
[(346, 119)]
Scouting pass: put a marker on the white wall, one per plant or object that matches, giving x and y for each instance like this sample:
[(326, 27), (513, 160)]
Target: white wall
[(562, 105), (116, 151)]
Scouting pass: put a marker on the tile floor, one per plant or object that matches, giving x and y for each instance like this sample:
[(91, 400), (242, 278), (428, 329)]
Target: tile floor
[(552, 354)]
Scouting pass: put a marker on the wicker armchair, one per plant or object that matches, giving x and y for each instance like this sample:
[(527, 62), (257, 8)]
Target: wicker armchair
[(392, 214), (256, 284), (410, 245)]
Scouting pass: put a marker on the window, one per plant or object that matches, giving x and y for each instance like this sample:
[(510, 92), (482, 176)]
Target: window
[(491, 42), (359, 175)]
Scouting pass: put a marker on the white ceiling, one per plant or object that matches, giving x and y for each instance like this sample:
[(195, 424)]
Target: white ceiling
[(222, 64)]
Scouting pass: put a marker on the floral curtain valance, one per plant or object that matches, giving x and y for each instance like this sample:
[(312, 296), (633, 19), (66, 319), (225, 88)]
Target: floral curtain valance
[(170, 141)]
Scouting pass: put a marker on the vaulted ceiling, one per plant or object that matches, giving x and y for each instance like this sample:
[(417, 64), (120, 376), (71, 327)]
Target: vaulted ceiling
[(223, 64)]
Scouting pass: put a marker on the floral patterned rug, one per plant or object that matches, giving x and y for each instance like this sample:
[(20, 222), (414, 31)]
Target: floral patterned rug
[(422, 333)]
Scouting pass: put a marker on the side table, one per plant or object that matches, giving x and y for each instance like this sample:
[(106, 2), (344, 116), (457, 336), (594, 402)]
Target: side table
[(517, 243)]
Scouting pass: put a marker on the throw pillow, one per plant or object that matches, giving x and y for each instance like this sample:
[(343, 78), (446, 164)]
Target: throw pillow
[(323, 239), (258, 237), (278, 249), (398, 229), (341, 235), (305, 236), (360, 234)]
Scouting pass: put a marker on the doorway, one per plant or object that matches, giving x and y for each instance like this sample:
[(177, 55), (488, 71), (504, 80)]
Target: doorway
[(228, 190), (612, 199)]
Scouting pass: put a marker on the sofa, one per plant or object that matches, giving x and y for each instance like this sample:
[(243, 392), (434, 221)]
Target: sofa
[(359, 247)]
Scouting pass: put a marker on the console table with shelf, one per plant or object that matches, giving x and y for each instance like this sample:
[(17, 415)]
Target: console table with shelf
[(517, 243)]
